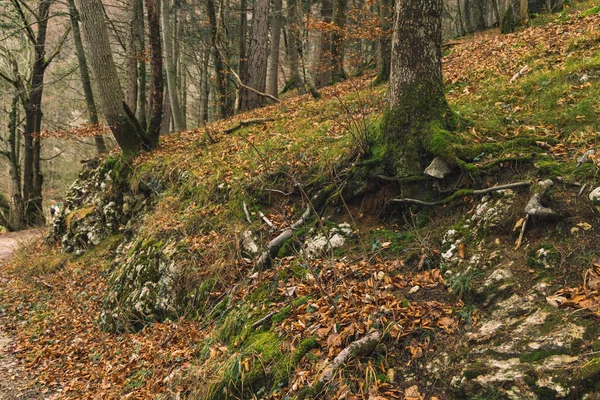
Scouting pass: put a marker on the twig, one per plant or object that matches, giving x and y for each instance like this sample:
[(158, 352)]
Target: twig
[(471, 193), (263, 320), (520, 240), (247, 122), (582, 189), (247, 213), (267, 221), (240, 83)]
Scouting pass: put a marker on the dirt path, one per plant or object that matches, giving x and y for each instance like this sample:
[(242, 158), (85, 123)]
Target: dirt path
[(12, 376)]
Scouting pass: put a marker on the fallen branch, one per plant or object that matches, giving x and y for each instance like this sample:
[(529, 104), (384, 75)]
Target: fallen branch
[(247, 213), (461, 193), (358, 348), (274, 245), (264, 319), (267, 220), (247, 122), (240, 83)]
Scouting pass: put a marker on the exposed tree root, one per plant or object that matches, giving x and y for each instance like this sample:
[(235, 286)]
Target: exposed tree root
[(264, 261), (247, 122), (460, 193), (358, 348)]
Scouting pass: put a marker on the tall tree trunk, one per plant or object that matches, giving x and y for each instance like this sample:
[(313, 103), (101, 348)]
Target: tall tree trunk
[(385, 41), (337, 41), (140, 110), (156, 73), (32, 174), (131, 59), (258, 53), (170, 61), (122, 122), (15, 214), (417, 105), (221, 97), (243, 64), (275, 41), (293, 46), (324, 73), (85, 75)]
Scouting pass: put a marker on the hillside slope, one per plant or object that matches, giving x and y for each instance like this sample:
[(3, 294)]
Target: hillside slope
[(246, 259)]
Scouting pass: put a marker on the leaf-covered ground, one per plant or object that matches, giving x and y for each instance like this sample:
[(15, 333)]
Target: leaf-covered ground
[(386, 280)]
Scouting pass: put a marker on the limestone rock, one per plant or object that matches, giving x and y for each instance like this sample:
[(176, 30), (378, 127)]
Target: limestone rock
[(595, 195), (438, 168)]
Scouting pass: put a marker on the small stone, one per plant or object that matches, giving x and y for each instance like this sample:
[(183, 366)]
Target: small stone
[(438, 168), (414, 289), (595, 194), (380, 275)]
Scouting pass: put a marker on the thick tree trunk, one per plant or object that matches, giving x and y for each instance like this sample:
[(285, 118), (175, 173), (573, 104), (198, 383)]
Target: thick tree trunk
[(126, 129), (324, 73), (337, 41), (170, 61), (258, 53), (275, 42), (417, 105), (86, 82)]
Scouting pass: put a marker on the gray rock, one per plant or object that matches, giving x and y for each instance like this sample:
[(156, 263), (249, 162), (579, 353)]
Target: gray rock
[(438, 168), (595, 194)]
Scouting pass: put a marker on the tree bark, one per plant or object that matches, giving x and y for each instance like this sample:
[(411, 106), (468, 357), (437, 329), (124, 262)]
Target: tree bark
[(131, 59), (275, 42), (140, 110), (385, 42), (126, 129), (324, 73), (337, 41), (243, 64), (167, 32), (86, 82), (156, 74), (293, 47), (414, 121), (258, 52), (16, 217), (221, 97)]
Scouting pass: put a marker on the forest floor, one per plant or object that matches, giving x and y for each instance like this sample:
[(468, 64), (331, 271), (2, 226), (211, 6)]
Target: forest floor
[(270, 334), (12, 375)]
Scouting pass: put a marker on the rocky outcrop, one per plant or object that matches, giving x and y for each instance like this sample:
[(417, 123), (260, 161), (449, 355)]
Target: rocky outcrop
[(97, 205)]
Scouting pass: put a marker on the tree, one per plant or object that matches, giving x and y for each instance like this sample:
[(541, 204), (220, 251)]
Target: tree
[(415, 121), (85, 75), (275, 41), (167, 31), (30, 89), (337, 41), (385, 42), (126, 129), (258, 53)]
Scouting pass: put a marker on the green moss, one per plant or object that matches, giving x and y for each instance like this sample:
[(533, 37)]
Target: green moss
[(303, 347), (508, 21), (474, 370), (538, 355), (590, 11), (591, 370)]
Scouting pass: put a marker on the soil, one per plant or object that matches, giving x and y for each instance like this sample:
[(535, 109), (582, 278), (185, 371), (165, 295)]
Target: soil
[(13, 378)]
